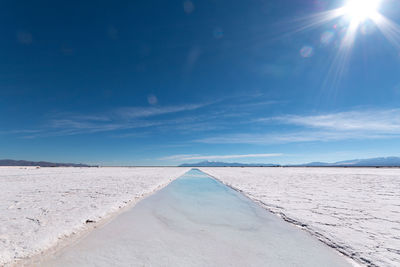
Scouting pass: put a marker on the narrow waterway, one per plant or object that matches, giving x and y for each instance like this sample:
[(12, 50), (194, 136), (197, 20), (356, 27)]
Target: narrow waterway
[(197, 221)]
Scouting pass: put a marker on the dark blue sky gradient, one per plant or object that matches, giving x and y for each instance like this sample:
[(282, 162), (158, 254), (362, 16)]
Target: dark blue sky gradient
[(165, 82)]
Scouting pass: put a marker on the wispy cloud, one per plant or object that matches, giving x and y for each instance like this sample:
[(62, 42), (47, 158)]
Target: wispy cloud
[(215, 116), (142, 112), (114, 120), (223, 122), (60, 127), (291, 137), (218, 157), (369, 120), (23, 131), (349, 125)]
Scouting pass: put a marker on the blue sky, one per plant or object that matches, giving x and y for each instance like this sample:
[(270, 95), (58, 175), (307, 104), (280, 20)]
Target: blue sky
[(167, 82)]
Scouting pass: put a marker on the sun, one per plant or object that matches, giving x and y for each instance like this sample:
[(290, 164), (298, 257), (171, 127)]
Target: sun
[(361, 10), (345, 22)]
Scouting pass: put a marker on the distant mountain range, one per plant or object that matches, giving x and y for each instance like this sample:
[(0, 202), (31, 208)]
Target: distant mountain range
[(372, 162), (225, 164), (10, 162)]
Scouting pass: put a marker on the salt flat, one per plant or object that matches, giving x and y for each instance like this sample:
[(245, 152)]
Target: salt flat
[(355, 210), (40, 207), (197, 221)]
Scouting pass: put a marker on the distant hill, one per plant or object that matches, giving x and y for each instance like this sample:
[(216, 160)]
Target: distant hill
[(371, 162), (225, 164), (10, 162)]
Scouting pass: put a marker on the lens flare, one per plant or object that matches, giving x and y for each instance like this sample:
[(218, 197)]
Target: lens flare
[(327, 37), (306, 51)]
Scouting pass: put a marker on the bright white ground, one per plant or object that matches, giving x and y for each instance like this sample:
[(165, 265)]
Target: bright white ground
[(357, 210), (197, 221), (38, 207)]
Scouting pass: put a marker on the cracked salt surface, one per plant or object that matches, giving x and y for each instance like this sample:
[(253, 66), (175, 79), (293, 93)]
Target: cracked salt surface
[(197, 221), (40, 207), (355, 210)]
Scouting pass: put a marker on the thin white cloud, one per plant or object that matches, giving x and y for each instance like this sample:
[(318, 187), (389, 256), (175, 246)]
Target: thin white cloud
[(181, 120), (142, 112), (365, 124), (369, 120), (218, 157), (118, 119), (22, 131), (292, 137), (178, 157), (349, 125), (72, 127)]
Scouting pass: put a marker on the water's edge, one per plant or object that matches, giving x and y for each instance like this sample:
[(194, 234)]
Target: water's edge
[(85, 230), (355, 261), (76, 237)]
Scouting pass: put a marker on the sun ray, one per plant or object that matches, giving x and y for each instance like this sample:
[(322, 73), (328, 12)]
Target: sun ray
[(347, 22), (317, 19), (348, 40), (389, 29)]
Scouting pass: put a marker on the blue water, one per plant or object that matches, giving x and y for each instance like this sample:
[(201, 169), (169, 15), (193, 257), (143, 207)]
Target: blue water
[(207, 201), (197, 221)]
